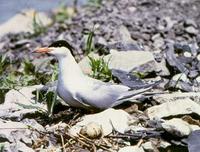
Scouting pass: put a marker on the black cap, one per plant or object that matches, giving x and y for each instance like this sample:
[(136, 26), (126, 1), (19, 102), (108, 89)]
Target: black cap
[(62, 43)]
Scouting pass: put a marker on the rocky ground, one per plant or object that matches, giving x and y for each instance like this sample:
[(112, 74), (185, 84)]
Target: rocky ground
[(144, 44)]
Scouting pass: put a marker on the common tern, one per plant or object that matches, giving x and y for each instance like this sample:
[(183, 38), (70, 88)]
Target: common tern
[(80, 90)]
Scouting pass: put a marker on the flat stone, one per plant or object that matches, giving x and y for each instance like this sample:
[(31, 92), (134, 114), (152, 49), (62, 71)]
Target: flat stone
[(189, 22), (147, 146), (164, 144), (161, 68), (170, 22), (179, 127), (122, 60), (109, 119), (158, 43), (25, 19), (26, 131), (191, 30), (170, 97), (20, 102), (131, 149), (12, 131), (181, 76), (33, 124), (178, 107), (15, 147), (124, 34), (128, 60), (193, 141)]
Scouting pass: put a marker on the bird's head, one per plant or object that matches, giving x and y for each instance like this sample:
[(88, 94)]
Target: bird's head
[(60, 48)]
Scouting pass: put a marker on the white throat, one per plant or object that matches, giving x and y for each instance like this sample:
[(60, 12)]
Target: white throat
[(69, 70)]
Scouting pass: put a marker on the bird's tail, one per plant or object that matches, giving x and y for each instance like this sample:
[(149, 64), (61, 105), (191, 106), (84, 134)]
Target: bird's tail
[(130, 95)]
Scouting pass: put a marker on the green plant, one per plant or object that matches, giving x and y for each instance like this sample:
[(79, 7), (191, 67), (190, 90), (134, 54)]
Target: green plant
[(3, 63), (89, 42), (62, 14), (38, 27), (139, 74), (2, 147), (100, 69), (50, 97), (96, 3)]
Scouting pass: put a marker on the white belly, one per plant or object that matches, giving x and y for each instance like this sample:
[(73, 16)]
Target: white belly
[(67, 96)]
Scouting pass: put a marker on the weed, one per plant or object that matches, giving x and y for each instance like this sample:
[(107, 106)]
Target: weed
[(51, 102), (139, 75), (100, 69), (89, 42), (62, 14), (38, 27), (3, 63), (96, 3), (2, 147), (50, 97)]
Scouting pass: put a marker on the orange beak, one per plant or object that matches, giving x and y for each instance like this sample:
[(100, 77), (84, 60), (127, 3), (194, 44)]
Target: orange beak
[(43, 50)]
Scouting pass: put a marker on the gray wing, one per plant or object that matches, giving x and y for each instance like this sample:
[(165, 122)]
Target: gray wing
[(99, 94)]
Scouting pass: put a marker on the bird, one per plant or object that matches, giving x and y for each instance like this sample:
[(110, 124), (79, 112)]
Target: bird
[(80, 90)]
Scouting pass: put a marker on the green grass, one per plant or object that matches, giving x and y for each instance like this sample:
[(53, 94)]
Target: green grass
[(1, 147), (62, 14), (37, 25), (95, 3), (12, 78), (90, 42), (48, 97), (3, 63), (100, 69)]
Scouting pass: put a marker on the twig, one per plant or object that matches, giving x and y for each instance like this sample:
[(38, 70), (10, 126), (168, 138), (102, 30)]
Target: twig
[(140, 142), (77, 139), (62, 140), (93, 143)]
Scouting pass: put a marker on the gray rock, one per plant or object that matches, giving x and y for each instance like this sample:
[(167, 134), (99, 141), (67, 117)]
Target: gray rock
[(33, 124), (158, 43), (16, 147), (61, 126), (128, 60), (102, 41), (180, 76), (178, 107), (178, 127), (170, 22), (147, 146), (20, 102), (124, 35), (132, 9), (164, 144), (191, 30), (25, 19), (11, 131), (193, 141), (161, 68), (131, 149), (162, 98), (189, 22), (154, 144), (122, 60), (109, 119)]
